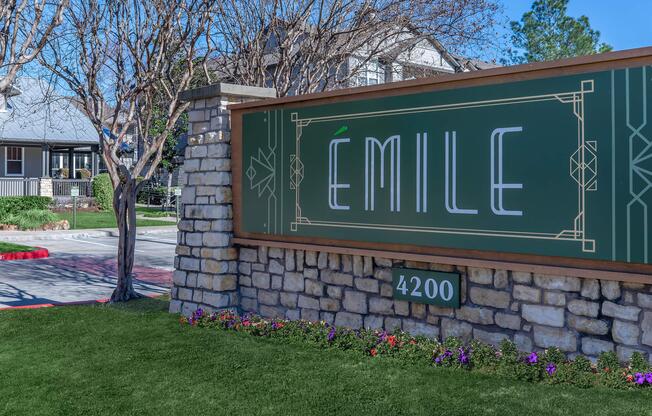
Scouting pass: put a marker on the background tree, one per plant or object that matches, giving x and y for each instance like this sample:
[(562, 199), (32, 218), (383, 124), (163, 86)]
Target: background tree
[(303, 46), (25, 26), (119, 58), (547, 33), (170, 159)]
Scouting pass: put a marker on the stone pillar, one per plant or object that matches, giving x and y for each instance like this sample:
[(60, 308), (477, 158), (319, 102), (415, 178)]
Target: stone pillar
[(206, 262), (45, 187)]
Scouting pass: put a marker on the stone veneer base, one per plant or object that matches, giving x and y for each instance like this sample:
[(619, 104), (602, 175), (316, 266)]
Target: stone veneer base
[(535, 311)]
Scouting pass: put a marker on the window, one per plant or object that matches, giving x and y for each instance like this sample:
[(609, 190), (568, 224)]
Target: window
[(60, 165), (82, 162), (371, 73), (14, 161)]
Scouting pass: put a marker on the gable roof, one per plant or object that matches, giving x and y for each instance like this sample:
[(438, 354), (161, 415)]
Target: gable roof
[(39, 115)]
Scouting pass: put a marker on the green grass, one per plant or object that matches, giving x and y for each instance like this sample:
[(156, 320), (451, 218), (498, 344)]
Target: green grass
[(103, 219), (136, 359), (153, 210), (14, 248)]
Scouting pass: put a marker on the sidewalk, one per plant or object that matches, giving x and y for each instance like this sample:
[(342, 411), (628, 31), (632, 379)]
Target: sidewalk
[(17, 236)]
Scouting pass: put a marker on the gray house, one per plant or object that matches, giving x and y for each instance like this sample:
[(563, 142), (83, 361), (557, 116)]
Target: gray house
[(43, 135)]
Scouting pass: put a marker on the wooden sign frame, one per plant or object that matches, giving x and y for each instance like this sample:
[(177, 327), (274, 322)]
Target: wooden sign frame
[(630, 272)]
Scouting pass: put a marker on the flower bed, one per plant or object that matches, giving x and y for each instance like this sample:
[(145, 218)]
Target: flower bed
[(549, 366)]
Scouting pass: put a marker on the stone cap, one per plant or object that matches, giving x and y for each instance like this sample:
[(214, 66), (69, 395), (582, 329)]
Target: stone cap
[(228, 90)]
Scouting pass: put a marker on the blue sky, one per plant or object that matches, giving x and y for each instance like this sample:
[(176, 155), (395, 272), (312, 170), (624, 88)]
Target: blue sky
[(624, 24)]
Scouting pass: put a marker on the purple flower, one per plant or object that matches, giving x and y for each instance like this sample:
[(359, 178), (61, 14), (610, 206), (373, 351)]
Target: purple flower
[(383, 336), (648, 378), (438, 360), (551, 368), (331, 334), (463, 358), (199, 312), (533, 358), (640, 379)]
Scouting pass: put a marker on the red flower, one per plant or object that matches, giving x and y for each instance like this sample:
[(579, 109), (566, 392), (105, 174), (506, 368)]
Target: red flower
[(373, 352), (391, 340), (246, 322), (630, 378), (413, 342)]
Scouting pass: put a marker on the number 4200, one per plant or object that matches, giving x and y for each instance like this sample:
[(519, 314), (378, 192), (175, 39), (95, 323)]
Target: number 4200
[(430, 288)]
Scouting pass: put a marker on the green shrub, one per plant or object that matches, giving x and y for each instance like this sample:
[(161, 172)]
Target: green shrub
[(18, 204), (154, 196), (608, 361), (554, 355), (484, 355), (638, 362), (103, 191), (158, 214), (31, 219)]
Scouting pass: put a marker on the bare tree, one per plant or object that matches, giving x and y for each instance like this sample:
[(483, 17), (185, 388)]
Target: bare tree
[(127, 60), (303, 46), (25, 27)]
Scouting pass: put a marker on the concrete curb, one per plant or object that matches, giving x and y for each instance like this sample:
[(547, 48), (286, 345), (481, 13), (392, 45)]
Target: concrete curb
[(12, 236)]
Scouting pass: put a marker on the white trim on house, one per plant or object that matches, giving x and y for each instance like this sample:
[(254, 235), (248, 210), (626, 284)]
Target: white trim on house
[(22, 161)]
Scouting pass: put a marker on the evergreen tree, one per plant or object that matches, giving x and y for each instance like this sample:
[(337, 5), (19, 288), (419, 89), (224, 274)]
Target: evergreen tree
[(547, 33)]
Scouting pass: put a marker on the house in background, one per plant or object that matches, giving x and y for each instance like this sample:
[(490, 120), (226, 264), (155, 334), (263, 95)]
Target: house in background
[(410, 57), (406, 55), (43, 135)]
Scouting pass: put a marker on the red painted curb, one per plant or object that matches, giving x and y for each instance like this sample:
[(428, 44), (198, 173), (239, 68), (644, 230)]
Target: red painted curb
[(39, 253)]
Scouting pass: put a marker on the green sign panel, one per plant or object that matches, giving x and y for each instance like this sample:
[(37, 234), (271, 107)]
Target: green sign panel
[(558, 166), (423, 286)]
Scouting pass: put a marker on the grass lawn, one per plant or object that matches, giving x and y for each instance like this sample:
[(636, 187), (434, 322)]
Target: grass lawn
[(138, 360), (103, 219), (14, 248)]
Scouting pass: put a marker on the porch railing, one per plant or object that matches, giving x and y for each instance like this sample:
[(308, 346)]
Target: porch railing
[(19, 186), (61, 187)]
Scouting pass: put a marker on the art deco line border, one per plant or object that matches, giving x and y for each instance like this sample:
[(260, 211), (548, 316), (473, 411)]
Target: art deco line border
[(583, 168)]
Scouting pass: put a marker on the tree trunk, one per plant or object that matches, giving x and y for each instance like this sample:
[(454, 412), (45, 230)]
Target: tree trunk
[(124, 205)]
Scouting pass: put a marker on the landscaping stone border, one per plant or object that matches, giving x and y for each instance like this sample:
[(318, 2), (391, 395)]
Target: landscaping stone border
[(535, 311)]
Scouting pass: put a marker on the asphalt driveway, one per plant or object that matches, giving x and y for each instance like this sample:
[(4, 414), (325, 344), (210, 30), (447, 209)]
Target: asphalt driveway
[(83, 270)]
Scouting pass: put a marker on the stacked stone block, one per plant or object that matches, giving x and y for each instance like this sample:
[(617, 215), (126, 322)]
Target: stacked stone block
[(206, 262), (535, 311), (46, 187)]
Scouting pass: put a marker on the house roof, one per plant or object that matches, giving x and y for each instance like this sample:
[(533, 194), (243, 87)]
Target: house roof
[(39, 115), (475, 64)]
